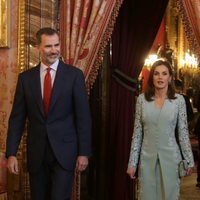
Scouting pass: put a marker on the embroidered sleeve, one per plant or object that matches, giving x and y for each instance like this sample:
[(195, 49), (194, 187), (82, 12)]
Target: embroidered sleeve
[(137, 135), (183, 133)]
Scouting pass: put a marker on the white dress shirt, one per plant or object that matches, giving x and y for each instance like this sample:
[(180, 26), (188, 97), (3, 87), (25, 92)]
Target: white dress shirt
[(43, 71)]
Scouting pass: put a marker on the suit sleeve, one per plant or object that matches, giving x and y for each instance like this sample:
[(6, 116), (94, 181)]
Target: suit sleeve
[(82, 115), (16, 121)]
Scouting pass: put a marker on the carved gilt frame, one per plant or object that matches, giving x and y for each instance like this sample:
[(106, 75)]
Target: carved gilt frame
[(21, 35), (5, 23)]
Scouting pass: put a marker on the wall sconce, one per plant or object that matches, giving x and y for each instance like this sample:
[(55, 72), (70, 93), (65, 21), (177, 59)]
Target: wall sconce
[(188, 69), (189, 61)]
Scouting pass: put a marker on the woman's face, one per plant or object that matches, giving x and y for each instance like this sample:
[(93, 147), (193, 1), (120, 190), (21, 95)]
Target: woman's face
[(161, 77)]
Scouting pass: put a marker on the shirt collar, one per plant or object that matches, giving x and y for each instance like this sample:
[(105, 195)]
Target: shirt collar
[(54, 66)]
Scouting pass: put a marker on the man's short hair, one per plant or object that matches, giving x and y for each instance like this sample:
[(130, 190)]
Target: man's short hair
[(45, 31)]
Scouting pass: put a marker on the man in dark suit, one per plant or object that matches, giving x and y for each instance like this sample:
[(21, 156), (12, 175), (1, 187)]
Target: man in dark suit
[(52, 98), (179, 89)]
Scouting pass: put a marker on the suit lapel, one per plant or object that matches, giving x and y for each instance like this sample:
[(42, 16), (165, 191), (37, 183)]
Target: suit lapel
[(36, 86), (57, 86)]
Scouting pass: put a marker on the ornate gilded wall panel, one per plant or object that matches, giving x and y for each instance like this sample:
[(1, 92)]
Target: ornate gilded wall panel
[(171, 25), (39, 13), (175, 35), (5, 23), (21, 36)]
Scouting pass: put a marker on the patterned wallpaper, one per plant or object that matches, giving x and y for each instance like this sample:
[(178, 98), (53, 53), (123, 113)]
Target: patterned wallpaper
[(8, 75)]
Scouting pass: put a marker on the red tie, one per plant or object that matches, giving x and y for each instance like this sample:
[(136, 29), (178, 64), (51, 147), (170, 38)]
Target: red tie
[(47, 91)]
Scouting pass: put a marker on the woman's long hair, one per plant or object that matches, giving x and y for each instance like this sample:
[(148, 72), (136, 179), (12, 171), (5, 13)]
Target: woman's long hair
[(150, 90)]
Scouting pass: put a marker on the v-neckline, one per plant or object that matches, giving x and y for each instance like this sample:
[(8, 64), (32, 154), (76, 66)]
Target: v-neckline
[(159, 107)]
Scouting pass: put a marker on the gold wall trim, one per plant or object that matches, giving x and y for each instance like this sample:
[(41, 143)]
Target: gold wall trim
[(21, 35), (5, 23)]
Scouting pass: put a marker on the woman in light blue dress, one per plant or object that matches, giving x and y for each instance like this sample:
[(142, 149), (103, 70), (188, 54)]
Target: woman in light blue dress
[(154, 148)]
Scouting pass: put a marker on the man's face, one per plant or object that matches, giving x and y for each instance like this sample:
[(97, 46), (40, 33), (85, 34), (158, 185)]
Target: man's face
[(49, 49)]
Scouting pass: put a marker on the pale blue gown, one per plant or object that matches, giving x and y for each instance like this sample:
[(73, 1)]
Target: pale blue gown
[(154, 146)]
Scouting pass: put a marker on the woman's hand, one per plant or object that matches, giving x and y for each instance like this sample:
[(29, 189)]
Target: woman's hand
[(131, 172), (189, 171)]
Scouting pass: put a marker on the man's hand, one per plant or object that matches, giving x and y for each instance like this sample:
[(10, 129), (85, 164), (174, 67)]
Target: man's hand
[(81, 163), (12, 165)]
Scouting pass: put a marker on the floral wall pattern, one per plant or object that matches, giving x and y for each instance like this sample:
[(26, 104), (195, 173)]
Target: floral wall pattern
[(8, 75)]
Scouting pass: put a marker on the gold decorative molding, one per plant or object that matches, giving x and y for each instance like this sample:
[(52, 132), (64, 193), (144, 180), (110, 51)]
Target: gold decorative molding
[(183, 45), (5, 23), (21, 35), (176, 36)]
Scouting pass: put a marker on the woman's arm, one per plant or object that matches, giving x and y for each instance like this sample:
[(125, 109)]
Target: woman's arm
[(183, 133), (137, 135)]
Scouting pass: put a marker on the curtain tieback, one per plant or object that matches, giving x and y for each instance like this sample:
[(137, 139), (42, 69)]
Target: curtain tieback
[(126, 81)]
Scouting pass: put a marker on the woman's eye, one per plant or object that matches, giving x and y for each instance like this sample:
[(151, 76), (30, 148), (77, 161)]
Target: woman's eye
[(156, 73)]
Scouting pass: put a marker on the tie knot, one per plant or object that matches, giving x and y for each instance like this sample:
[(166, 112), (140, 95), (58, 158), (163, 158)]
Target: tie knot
[(48, 69)]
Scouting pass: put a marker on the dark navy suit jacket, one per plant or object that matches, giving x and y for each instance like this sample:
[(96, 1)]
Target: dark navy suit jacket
[(67, 126)]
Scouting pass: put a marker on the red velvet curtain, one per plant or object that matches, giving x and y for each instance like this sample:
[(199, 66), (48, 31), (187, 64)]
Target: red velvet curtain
[(133, 36)]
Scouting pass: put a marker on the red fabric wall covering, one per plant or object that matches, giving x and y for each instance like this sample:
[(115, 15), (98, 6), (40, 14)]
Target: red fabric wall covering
[(160, 38)]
